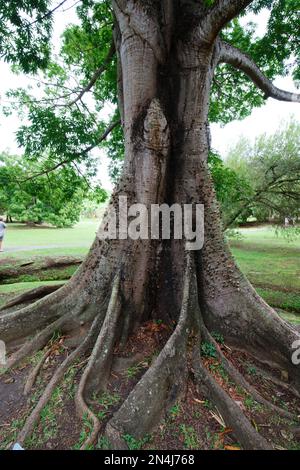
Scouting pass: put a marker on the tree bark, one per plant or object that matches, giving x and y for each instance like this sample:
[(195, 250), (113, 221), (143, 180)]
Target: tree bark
[(166, 69)]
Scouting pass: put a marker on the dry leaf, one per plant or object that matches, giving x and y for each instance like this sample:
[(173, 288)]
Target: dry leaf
[(199, 401), (218, 418), (226, 431)]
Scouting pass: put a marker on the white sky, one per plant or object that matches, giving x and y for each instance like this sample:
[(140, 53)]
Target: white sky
[(262, 120)]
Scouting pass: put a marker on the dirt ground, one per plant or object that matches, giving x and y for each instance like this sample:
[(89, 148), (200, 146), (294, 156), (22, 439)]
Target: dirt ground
[(191, 423)]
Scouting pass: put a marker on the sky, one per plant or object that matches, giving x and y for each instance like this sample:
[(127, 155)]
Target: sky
[(266, 119)]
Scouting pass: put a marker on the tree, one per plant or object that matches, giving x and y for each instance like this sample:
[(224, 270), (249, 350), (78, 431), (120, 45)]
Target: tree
[(168, 54), (233, 188), (262, 179), (29, 194)]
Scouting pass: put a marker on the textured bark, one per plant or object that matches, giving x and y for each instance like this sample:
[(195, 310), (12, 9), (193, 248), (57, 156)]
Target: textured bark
[(167, 55)]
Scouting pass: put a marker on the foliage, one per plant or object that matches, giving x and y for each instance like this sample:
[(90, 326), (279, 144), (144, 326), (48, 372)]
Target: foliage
[(276, 53), (208, 350), (218, 337), (55, 198), (261, 179), (231, 186), (175, 410), (25, 28), (135, 444), (190, 436), (87, 428)]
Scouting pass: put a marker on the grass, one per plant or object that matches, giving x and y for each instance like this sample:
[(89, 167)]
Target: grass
[(269, 261), (22, 286), (277, 269), (59, 274), (190, 437), (48, 241), (264, 237), (11, 290), (135, 444), (283, 300)]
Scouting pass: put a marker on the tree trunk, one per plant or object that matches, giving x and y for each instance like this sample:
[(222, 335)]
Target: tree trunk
[(165, 76)]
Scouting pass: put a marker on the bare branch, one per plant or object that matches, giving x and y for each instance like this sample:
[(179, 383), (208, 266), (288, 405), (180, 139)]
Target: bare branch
[(81, 154), (47, 15), (96, 75), (220, 13), (238, 59)]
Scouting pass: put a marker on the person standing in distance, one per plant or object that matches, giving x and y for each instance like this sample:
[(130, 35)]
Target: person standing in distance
[(2, 231)]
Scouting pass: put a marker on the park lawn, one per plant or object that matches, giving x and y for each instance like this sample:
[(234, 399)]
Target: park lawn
[(266, 237), (20, 287), (273, 269), (22, 241), (272, 264), (269, 261)]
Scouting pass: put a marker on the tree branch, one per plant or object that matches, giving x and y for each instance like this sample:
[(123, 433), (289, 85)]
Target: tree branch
[(96, 75), (220, 13), (46, 15), (258, 196), (81, 154), (238, 59)]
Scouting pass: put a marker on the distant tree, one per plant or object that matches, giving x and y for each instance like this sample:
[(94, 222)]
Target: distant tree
[(231, 188), (263, 179), (29, 194)]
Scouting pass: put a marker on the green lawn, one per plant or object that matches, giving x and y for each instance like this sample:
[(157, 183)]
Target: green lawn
[(265, 237), (270, 262), (22, 241), (23, 286)]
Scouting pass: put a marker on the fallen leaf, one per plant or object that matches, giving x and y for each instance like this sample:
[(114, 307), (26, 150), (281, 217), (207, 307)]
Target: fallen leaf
[(285, 375), (218, 418), (199, 401), (226, 431), (231, 448)]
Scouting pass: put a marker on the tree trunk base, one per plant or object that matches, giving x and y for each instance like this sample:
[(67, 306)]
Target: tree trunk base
[(159, 387)]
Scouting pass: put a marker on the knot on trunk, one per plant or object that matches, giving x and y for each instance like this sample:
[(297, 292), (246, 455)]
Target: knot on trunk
[(156, 129)]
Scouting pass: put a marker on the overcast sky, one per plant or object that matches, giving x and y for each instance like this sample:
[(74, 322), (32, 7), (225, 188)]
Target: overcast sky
[(265, 119)]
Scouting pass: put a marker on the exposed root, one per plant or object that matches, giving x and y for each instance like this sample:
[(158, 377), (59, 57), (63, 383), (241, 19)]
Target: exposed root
[(276, 381), (23, 322), (160, 385), (239, 379), (37, 343), (163, 381), (58, 375), (35, 372), (99, 365), (245, 319), (33, 294), (249, 438)]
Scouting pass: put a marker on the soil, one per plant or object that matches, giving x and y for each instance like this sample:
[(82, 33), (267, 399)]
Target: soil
[(192, 423)]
